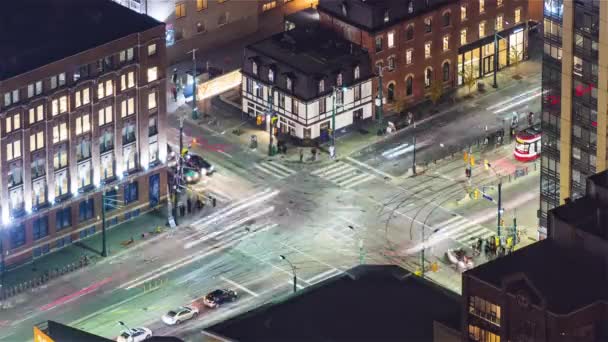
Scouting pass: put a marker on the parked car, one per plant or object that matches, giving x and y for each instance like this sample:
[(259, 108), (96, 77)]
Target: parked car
[(219, 297), (198, 163), (135, 335), (177, 316)]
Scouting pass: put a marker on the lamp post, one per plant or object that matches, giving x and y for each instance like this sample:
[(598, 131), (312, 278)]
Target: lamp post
[(104, 202), (380, 100), (293, 270), (499, 209), (269, 118)]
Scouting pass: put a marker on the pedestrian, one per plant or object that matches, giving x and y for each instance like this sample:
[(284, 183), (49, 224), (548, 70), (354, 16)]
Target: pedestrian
[(301, 155), (530, 118), (174, 76), (174, 92)]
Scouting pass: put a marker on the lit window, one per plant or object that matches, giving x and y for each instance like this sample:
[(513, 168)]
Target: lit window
[(517, 15), (38, 87), (391, 63), (446, 43), (463, 12), (339, 80), (410, 6), (30, 90), (499, 22), (482, 6), (83, 124), (498, 3), (386, 16), (428, 77), (408, 56), (463, 37), (36, 141), (60, 132), (428, 25), (152, 74), (357, 72), (321, 86), (36, 114), (391, 39), (13, 150), (180, 10), (270, 75), (254, 68), (269, 5), (13, 123), (151, 49), (288, 84), (427, 50), (201, 5), (127, 107), (152, 100), (62, 79), (105, 115), (482, 29), (82, 97)]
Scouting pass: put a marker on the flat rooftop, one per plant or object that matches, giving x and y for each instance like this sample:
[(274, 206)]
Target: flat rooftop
[(311, 51), (369, 303), (567, 278), (34, 33), (583, 213)]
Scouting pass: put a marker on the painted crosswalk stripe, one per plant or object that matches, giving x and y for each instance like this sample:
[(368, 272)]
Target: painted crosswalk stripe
[(383, 174), (325, 169), (282, 167), (359, 181), (343, 175), (272, 171)]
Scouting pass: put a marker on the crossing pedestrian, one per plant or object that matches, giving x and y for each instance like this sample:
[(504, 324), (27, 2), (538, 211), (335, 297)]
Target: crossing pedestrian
[(301, 155)]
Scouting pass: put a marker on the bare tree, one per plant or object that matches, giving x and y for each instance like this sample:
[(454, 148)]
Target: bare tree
[(436, 92), (468, 78)]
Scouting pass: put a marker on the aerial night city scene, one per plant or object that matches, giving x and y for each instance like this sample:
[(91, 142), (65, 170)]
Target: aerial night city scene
[(304, 170)]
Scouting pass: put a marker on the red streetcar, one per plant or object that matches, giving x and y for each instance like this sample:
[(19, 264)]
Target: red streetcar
[(528, 144)]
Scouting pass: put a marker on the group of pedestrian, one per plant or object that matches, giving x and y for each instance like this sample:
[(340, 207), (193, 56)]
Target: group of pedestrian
[(492, 247), (194, 203)]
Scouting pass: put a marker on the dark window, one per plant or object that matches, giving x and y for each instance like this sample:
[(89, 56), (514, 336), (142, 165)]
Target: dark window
[(63, 218), (152, 126), (409, 33), (249, 86), (40, 228), (378, 43), (409, 86), (131, 193), (281, 100), (128, 132), (428, 25), (85, 210), (17, 235), (357, 90), (446, 71), (38, 167), (111, 201), (446, 19), (322, 105), (106, 140)]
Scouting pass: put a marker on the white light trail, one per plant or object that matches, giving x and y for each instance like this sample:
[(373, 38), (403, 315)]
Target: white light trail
[(502, 103), (520, 102)]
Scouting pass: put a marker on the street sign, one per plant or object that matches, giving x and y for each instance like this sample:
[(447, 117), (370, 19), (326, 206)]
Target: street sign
[(488, 197)]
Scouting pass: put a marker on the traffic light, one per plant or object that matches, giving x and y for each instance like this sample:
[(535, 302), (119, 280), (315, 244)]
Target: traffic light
[(465, 157), (472, 160), (486, 164), (434, 267), (476, 194)]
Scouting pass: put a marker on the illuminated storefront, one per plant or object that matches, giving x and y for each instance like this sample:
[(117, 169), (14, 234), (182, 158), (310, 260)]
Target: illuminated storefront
[(477, 59)]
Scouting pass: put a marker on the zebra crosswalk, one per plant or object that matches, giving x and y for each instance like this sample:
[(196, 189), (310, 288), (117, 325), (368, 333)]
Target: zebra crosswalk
[(274, 169), (464, 231), (343, 174)]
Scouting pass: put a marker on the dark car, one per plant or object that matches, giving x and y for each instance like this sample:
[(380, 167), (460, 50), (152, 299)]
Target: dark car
[(199, 164), (219, 297)]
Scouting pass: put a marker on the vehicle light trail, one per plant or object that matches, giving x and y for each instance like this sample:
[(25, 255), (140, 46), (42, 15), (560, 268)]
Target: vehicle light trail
[(75, 295), (502, 103)]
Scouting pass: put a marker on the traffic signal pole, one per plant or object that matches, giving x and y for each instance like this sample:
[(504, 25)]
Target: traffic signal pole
[(179, 172), (271, 100), (499, 206)]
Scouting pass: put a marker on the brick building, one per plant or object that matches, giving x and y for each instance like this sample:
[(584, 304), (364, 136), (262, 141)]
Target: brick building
[(83, 111), (419, 42), (553, 290)]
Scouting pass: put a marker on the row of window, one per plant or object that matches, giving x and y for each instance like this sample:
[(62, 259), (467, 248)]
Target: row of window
[(60, 80), (409, 31)]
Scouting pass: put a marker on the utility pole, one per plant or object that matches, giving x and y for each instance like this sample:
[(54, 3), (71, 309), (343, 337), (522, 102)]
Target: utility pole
[(499, 205), (379, 100), (194, 87), (414, 154), (495, 85), (271, 100), (104, 251)]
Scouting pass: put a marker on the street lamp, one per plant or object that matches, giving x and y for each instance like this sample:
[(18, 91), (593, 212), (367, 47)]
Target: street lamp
[(293, 270), (500, 210), (379, 99)]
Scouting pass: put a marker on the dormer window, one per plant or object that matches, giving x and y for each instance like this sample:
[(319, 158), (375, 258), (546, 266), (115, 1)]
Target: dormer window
[(344, 9), (289, 84), (386, 17), (410, 7), (357, 72), (254, 68), (339, 80), (271, 75), (321, 86)]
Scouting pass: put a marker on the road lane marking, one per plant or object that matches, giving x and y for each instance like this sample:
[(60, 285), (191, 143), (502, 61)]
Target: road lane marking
[(323, 274), (370, 168), (234, 283)]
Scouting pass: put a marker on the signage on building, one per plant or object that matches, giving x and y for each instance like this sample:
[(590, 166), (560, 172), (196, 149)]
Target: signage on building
[(40, 336), (170, 34)]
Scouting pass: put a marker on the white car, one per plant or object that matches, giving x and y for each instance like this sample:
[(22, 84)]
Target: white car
[(183, 313), (135, 335)]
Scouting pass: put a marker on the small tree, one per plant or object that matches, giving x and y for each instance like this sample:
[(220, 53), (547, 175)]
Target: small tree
[(436, 92), (515, 56), (468, 78)]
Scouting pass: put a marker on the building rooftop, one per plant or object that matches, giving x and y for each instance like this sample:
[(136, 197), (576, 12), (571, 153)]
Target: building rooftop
[(34, 33), (567, 278), (310, 51), (369, 303), (307, 18), (369, 14)]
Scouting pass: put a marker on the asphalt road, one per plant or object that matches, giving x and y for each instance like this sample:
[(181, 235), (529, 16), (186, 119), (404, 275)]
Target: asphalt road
[(325, 218)]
